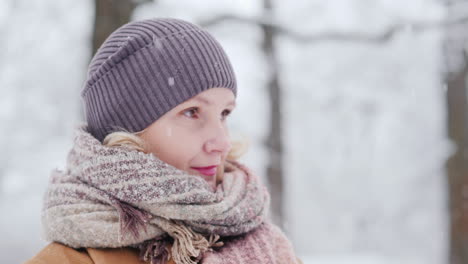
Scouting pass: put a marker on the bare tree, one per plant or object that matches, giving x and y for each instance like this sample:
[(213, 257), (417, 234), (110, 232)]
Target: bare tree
[(110, 15), (274, 141), (457, 169), (456, 40)]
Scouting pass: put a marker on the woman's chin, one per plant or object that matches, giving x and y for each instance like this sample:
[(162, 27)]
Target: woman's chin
[(210, 179)]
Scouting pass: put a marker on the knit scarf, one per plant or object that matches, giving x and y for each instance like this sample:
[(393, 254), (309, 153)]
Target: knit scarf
[(116, 197)]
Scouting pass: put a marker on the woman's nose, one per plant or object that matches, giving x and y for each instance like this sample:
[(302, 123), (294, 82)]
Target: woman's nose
[(219, 139)]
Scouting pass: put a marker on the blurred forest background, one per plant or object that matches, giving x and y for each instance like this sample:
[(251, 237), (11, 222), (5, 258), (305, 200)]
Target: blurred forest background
[(356, 111)]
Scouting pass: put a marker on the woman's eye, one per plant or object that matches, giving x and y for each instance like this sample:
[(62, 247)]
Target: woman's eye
[(191, 111), (226, 113)]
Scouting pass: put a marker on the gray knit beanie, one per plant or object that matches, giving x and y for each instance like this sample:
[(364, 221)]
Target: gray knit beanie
[(146, 68)]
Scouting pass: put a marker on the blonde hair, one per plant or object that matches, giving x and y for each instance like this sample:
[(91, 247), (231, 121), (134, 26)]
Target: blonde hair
[(133, 141)]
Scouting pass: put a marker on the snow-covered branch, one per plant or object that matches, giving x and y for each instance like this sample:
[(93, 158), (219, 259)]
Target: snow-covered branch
[(377, 38)]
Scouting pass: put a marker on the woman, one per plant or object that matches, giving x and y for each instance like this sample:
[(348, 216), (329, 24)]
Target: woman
[(152, 176)]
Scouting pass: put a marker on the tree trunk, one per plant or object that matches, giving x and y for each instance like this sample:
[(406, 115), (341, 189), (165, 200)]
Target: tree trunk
[(274, 140), (456, 40), (110, 15), (457, 169)]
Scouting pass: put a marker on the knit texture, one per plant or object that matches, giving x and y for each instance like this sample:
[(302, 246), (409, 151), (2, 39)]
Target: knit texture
[(145, 68), (266, 244), (116, 197)]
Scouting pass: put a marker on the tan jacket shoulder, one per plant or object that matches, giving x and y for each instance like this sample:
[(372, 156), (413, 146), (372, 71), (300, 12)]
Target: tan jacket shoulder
[(56, 253)]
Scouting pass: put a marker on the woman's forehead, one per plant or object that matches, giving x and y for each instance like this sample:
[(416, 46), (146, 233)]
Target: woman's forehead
[(215, 96)]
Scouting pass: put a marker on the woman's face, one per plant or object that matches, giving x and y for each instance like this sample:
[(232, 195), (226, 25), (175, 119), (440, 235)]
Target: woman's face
[(194, 134)]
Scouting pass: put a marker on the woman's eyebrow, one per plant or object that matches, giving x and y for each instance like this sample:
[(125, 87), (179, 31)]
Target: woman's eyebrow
[(206, 101)]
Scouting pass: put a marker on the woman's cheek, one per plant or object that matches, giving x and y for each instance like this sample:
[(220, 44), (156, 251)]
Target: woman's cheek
[(186, 141)]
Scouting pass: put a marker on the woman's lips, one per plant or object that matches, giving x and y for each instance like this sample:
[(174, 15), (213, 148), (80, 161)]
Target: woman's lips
[(208, 171)]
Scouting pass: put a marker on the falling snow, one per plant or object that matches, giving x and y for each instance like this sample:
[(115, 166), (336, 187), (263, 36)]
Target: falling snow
[(364, 124), (170, 81)]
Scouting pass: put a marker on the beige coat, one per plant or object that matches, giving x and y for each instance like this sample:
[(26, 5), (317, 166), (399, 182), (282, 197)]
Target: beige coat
[(56, 253)]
